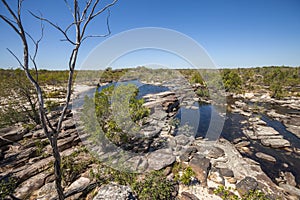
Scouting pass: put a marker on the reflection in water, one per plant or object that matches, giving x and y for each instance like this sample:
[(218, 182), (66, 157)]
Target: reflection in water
[(233, 129)]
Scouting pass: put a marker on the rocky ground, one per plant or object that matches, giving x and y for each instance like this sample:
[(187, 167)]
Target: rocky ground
[(26, 162)]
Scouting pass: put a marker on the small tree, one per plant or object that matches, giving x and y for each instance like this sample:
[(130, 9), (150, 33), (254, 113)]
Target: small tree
[(81, 20)]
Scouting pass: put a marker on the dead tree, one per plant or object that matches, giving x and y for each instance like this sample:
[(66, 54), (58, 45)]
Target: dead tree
[(81, 20)]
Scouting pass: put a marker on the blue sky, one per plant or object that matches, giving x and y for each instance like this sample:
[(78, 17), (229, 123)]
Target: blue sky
[(235, 33)]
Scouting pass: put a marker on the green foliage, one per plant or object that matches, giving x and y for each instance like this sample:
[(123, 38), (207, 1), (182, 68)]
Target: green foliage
[(256, 194), (202, 92), (18, 98), (232, 80), (227, 194), (117, 111), (153, 186), (51, 105), (7, 186), (73, 165), (187, 175), (277, 90), (53, 94), (196, 78)]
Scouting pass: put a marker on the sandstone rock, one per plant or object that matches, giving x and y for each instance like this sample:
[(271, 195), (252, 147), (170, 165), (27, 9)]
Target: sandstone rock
[(215, 152), (79, 184), (275, 142), (290, 189), (160, 159), (215, 176), (226, 172), (151, 131), (24, 189), (232, 180), (185, 156), (265, 131), (33, 169), (136, 164), (188, 196), (182, 140), (47, 192), (68, 142), (246, 184), (114, 191), (265, 157), (242, 144), (200, 166), (290, 179), (11, 134)]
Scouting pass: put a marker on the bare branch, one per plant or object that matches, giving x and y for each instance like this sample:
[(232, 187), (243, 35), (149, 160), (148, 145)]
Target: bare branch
[(55, 26), (105, 8), (49, 124), (88, 4), (93, 14), (10, 10), (16, 57), (10, 23), (103, 35), (69, 7)]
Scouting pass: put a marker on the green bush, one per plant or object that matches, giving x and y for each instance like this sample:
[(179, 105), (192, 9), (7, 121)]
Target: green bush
[(7, 186), (51, 105), (117, 110), (153, 186), (227, 194)]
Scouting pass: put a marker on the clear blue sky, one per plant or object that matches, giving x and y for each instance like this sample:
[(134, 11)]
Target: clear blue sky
[(235, 33)]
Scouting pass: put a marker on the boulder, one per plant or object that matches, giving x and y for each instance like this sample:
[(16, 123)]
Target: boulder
[(290, 179), (265, 157), (242, 144), (11, 135), (185, 156), (46, 192), (290, 189), (78, 185), (160, 159), (215, 176), (215, 152), (24, 189), (114, 191), (201, 167), (33, 169), (275, 142), (246, 185), (226, 172), (265, 131)]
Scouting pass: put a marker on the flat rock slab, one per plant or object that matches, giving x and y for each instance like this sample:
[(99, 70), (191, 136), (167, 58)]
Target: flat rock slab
[(160, 159), (246, 185), (265, 157), (265, 131), (200, 166), (114, 191), (275, 142)]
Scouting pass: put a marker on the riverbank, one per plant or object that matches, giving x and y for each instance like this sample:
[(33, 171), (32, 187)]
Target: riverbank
[(26, 157)]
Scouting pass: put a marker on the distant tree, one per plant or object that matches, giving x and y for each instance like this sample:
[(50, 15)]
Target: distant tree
[(232, 80), (80, 22)]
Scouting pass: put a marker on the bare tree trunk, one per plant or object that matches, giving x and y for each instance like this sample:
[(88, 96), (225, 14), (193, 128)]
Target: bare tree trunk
[(81, 20), (57, 168)]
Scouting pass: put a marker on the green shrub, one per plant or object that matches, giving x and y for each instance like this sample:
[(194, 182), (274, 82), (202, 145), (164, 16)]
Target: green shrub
[(227, 194), (7, 186), (187, 175), (117, 110), (51, 105), (153, 186)]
